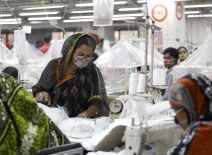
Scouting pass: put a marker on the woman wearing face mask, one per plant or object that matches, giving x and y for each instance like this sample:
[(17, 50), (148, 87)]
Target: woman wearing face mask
[(73, 81), (170, 59), (183, 53), (191, 98)]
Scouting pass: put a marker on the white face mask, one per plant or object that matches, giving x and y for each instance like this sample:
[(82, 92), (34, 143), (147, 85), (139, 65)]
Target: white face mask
[(79, 63)]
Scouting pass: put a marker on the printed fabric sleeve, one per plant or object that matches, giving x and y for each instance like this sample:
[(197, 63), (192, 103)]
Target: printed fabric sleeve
[(24, 128)]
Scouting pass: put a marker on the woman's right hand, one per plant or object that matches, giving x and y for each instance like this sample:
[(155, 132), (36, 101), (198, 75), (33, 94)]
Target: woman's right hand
[(43, 97)]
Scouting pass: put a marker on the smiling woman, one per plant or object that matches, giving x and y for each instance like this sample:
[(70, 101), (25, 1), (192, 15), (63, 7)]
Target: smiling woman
[(73, 81)]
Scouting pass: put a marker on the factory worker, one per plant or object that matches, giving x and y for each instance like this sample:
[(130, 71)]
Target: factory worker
[(191, 98), (73, 81), (24, 127), (183, 53), (12, 71), (170, 57)]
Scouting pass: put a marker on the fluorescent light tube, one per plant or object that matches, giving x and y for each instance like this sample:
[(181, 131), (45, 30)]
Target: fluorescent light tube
[(198, 6), (156, 1), (10, 20), (85, 11), (121, 15), (91, 4), (141, 1), (9, 23), (191, 12), (80, 17), (5, 15), (38, 22), (84, 4), (44, 18), (199, 16), (123, 18), (119, 2), (38, 13), (44, 7), (130, 9), (128, 15), (77, 20), (88, 20)]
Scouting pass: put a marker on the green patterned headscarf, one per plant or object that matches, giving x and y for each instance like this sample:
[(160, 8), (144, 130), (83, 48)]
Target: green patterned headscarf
[(24, 127)]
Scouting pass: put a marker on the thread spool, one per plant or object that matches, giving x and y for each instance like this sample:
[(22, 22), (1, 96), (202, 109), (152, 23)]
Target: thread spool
[(141, 83), (163, 77), (133, 84), (157, 77)]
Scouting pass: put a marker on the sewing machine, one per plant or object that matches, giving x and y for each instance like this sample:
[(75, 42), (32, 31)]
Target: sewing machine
[(138, 137)]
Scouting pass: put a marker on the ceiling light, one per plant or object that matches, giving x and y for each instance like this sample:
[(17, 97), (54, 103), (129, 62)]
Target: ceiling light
[(88, 20), (10, 20), (199, 16), (37, 7), (156, 1), (77, 20), (38, 13), (123, 18), (9, 23), (128, 15), (141, 1), (91, 4), (44, 18), (130, 9), (198, 6), (38, 22), (5, 15), (79, 17), (85, 11), (191, 12), (119, 2), (120, 15)]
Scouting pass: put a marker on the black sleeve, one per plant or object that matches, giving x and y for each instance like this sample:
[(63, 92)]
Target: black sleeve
[(48, 78)]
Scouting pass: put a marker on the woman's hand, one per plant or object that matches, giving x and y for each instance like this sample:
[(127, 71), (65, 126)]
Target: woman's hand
[(81, 115), (95, 105), (43, 97)]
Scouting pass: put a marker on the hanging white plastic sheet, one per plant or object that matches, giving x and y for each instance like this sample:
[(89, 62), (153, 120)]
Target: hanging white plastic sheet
[(106, 45), (20, 46), (103, 12), (200, 61)]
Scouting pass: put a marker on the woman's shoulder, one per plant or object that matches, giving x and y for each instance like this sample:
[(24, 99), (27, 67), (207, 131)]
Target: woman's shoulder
[(53, 62)]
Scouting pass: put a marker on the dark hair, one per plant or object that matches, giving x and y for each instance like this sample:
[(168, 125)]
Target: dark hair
[(12, 71), (182, 47), (47, 38), (101, 40), (39, 41), (172, 51), (86, 40)]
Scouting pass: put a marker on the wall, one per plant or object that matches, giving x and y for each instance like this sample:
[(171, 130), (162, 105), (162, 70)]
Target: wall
[(195, 31), (172, 28), (36, 34)]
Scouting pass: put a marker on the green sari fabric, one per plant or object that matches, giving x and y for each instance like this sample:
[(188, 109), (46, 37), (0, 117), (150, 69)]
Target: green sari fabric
[(24, 127)]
